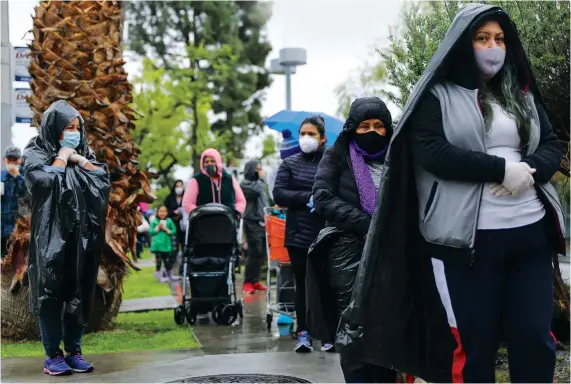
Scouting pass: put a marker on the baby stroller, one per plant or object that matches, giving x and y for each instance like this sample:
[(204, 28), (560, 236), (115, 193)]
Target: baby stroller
[(211, 252)]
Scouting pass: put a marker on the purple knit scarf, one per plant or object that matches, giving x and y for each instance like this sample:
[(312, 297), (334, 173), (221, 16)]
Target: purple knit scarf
[(365, 184)]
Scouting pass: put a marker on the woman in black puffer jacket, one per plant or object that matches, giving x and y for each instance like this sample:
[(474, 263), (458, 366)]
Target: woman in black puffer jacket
[(345, 194), (293, 190)]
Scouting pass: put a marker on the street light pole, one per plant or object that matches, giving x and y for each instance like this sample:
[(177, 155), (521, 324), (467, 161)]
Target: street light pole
[(289, 60), (6, 80), (288, 87)]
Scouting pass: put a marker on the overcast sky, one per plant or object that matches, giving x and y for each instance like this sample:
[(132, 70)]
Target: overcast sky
[(338, 36)]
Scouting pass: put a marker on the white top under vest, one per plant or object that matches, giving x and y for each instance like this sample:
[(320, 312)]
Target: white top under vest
[(503, 140)]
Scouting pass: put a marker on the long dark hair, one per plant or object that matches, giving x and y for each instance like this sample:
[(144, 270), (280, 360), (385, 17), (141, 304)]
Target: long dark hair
[(507, 92), (317, 121)]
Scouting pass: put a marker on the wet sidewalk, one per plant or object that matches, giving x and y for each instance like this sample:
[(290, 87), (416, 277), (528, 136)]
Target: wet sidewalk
[(243, 348)]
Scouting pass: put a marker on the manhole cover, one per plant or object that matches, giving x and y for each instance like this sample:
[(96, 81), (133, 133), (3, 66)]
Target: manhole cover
[(242, 378)]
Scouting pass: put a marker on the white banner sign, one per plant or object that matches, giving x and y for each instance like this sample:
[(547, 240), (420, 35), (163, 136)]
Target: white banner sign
[(22, 109), (21, 64)]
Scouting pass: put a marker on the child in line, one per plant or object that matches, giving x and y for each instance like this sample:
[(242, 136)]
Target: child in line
[(162, 229)]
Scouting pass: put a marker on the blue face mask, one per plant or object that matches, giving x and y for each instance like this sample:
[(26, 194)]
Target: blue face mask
[(70, 140)]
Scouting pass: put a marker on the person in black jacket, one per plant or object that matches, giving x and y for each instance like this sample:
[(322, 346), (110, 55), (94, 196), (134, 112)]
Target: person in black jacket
[(345, 193), (293, 190), (173, 202), (254, 189)]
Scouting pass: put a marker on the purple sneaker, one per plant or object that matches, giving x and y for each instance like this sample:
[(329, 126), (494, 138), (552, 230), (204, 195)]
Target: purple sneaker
[(56, 366), (77, 363)]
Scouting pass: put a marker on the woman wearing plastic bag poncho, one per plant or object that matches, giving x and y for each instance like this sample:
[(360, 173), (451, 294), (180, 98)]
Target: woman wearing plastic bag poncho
[(460, 251), (70, 193)]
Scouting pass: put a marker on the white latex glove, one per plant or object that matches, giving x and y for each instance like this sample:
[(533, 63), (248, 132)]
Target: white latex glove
[(499, 190), (518, 177), (78, 159), (65, 153)]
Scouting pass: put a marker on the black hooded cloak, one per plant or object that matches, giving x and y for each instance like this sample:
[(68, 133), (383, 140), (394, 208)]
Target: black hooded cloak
[(68, 217), (395, 318)]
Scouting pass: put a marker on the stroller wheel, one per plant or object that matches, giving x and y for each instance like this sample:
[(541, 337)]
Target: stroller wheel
[(179, 315), (217, 314), (229, 314), (240, 308), (269, 320), (191, 315)]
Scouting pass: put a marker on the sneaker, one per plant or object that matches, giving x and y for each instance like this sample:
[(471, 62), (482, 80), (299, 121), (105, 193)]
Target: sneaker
[(77, 363), (57, 366), (303, 342), (159, 276), (259, 287), (172, 277), (249, 288), (328, 347)]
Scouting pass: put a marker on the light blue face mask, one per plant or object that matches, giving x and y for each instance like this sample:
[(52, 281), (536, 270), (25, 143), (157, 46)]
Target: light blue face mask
[(70, 140)]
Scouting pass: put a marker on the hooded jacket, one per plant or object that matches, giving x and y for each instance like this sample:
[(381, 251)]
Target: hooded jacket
[(214, 191), (336, 253), (172, 205), (335, 192), (68, 217), (255, 192), (395, 318)]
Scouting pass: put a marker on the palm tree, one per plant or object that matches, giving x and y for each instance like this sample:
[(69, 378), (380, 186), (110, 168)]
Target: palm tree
[(77, 56)]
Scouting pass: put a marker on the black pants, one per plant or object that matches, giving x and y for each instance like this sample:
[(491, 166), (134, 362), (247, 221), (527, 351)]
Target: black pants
[(507, 294), (356, 371), (4, 246), (298, 257), (256, 252), (164, 258)]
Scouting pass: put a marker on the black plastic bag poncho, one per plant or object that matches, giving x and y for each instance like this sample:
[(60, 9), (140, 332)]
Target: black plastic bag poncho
[(395, 318), (68, 217)]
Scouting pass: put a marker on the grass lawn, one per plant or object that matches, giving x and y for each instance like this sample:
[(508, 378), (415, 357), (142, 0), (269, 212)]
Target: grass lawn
[(133, 332), (142, 284)]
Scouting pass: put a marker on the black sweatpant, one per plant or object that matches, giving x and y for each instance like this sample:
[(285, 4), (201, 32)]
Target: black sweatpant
[(355, 371), (256, 252), (298, 258), (166, 258), (507, 294)]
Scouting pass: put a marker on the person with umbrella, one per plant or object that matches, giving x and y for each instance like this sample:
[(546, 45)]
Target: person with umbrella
[(293, 190)]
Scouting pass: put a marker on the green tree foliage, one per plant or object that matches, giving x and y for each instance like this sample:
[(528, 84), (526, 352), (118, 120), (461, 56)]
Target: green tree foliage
[(544, 30), (214, 52), (268, 146), (366, 81)]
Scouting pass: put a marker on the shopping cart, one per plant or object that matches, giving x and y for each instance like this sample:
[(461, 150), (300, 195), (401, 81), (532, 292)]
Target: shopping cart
[(278, 260)]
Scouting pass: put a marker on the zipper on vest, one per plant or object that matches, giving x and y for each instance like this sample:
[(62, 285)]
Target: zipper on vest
[(472, 259)]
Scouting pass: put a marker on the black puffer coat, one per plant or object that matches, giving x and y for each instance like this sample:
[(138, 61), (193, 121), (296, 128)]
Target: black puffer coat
[(336, 254), (293, 189), (335, 191)]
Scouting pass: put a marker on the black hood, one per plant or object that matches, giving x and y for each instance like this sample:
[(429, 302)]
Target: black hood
[(366, 108), (251, 170), (454, 59), (174, 186), (54, 120)]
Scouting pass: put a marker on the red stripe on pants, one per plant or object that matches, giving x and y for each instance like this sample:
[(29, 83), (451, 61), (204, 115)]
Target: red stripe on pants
[(458, 359)]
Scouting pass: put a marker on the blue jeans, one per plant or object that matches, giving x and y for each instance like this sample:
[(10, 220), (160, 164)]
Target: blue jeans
[(55, 327)]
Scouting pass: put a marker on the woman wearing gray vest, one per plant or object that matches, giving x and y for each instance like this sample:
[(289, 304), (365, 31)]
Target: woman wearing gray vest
[(471, 266)]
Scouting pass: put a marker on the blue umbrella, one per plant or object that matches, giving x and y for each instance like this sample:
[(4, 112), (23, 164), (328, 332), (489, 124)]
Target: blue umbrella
[(291, 121)]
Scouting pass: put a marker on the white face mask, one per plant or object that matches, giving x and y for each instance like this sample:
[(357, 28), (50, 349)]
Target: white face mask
[(308, 144), (490, 61), (179, 190)]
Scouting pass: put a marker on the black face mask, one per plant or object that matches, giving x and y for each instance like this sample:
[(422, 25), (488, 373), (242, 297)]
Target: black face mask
[(371, 142), (211, 169)]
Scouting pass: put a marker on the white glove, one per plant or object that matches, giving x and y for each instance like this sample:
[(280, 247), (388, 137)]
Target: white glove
[(65, 153), (78, 159), (499, 190), (518, 177)]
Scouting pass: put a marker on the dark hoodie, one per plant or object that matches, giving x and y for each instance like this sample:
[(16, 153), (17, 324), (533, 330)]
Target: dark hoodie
[(335, 192), (255, 192), (395, 318), (69, 204)]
